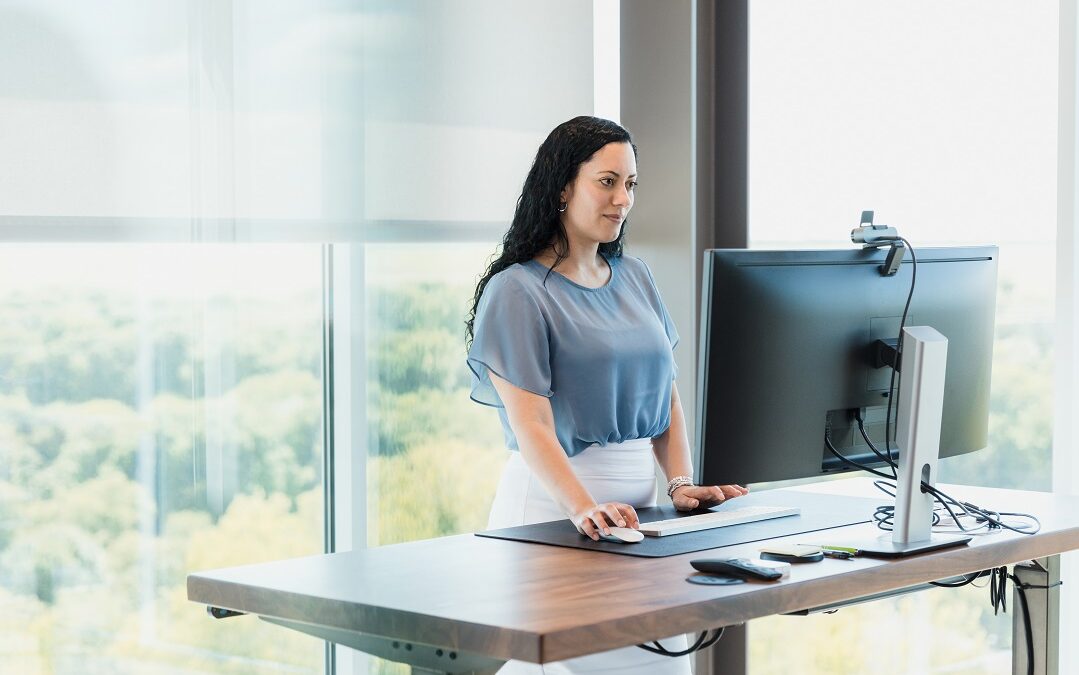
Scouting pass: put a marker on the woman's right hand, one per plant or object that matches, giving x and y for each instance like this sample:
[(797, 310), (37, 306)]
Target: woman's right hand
[(600, 517)]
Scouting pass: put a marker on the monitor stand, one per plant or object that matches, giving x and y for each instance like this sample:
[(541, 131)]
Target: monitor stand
[(921, 402), (884, 547)]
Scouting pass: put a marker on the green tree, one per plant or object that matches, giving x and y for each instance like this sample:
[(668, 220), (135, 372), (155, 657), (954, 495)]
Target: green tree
[(255, 528), (401, 421), (434, 489)]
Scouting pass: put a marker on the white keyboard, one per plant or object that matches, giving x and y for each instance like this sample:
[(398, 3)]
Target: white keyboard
[(707, 521)]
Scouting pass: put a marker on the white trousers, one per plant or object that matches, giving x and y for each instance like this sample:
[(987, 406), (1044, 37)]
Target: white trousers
[(621, 472)]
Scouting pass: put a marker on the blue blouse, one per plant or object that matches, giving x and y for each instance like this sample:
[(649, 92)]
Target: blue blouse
[(603, 356)]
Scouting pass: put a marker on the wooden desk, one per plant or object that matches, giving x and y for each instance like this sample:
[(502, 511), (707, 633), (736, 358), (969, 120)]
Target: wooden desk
[(464, 602)]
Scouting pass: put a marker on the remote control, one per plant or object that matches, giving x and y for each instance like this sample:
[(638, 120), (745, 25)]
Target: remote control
[(743, 568)]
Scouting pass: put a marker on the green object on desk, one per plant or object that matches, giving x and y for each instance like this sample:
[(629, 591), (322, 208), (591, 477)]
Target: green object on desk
[(843, 549)]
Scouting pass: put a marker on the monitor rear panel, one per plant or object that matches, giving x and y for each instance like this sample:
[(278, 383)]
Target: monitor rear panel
[(786, 354)]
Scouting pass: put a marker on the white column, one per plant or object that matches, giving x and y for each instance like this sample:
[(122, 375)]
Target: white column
[(349, 344), (1066, 382), (659, 109), (606, 64)]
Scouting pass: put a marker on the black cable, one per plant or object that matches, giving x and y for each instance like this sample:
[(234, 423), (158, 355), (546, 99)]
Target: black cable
[(703, 642), (660, 649), (1027, 629), (848, 460), (987, 582), (943, 499), (892, 386), (998, 585), (998, 597), (887, 459), (967, 579), (885, 514), (991, 520), (714, 639), (885, 518), (998, 589)]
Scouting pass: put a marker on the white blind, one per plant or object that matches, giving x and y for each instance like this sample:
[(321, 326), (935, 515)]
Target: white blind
[(280, 120)]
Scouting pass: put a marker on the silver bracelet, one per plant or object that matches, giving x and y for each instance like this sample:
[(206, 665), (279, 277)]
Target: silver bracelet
[(677, 482)]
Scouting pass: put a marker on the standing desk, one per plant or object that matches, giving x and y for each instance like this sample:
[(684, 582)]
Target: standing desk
[(466, 603)]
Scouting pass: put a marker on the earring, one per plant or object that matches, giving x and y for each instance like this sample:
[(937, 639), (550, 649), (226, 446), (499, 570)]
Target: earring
[(562, 206)]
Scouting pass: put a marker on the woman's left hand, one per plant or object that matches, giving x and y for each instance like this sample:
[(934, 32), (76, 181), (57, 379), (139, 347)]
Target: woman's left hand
[(689, 497)]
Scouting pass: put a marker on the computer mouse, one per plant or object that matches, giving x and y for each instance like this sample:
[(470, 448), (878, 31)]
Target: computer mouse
[(622, 535)]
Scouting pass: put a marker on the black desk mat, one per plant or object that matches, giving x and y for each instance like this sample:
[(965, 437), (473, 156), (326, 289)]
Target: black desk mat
[(819, 512)]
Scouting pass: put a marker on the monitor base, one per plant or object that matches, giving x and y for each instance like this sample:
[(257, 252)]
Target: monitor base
[(884, 547)]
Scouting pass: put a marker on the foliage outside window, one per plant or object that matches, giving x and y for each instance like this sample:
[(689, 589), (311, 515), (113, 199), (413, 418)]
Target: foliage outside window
[(122, 468)]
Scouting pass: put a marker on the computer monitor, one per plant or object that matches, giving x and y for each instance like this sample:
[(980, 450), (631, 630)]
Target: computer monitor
[(787, 353)]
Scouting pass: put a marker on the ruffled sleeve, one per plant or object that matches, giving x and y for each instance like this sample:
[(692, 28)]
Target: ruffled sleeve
[(511, 340), (668, 324), (665, 317)]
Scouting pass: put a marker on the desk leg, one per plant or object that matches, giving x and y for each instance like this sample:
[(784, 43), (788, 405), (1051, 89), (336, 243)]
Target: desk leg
[(424, 659), (417, 670), (729, 656), (1044, 606)]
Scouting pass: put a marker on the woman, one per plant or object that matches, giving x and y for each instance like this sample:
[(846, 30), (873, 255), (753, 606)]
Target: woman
[(572, 343)]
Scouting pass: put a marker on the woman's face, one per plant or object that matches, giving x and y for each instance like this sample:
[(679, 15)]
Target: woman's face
[(600, 197)]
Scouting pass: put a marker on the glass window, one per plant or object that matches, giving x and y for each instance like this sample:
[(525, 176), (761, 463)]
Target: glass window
[(94, 109), (450, 129), (160, 404), (160, 412), (440, 109), (430, 444), (942, 119), (454, 103)]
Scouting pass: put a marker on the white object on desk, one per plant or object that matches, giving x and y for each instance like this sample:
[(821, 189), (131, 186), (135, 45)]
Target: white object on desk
[(621, 535), (707, 521)]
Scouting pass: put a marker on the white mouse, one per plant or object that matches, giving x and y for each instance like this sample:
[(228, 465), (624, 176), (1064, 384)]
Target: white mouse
[(622, 535)]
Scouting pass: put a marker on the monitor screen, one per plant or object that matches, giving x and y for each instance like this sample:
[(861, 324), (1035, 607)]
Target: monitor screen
[(787, 354)]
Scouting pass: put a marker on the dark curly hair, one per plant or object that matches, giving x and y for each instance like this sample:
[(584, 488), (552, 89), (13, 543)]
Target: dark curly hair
[(536, 223)]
